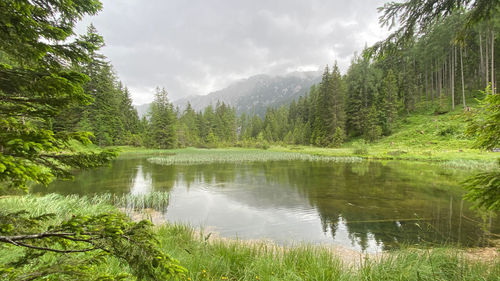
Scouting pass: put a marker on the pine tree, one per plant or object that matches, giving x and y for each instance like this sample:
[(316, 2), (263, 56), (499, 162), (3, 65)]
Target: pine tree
[(163, 121), (38, 83), (387, 102)]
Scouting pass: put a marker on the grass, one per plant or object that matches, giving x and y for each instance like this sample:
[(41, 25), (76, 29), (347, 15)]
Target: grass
[(157, 200), (421, 136), (193, 156), (223, 259), (66, 206), (218, 259)]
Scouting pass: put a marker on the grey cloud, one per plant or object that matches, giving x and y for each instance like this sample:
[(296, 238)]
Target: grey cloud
[(193, 47)]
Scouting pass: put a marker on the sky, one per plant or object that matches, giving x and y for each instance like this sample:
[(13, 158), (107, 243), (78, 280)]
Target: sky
[(199, 46)]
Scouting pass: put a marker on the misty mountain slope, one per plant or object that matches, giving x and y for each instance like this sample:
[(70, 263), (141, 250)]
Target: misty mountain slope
[(253, 95)]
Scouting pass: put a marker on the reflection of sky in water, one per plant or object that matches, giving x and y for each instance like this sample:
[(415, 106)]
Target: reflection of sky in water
[(220, 209), (142, 183)]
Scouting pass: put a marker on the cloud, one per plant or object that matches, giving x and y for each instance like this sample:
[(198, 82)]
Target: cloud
[(194, 47)]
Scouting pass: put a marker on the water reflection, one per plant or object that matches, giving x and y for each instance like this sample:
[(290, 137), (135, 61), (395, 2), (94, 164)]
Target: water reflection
[(142, 182), (366, 206)]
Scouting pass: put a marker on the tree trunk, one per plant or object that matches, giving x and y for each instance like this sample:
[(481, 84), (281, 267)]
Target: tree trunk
[(426, 86), (493, 90), (432, 86), (481, 62), (453, 59), (440, 83), (486, 62), (462, 73)]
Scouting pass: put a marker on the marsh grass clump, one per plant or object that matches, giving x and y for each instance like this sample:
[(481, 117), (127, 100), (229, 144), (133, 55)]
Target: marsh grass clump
[(470, 164), (207, 156), (157, 200), (60, 205), (85, 205)]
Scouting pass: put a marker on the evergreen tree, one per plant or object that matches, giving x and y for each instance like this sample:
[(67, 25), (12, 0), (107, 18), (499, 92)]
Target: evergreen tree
[(162, 121), (37, 85), (387, 102)]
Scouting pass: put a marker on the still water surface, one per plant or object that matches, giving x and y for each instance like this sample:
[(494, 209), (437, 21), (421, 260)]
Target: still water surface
[(368, 206)]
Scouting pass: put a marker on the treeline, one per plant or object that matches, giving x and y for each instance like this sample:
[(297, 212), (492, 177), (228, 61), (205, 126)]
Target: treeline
[(167, 127), (444, 67), (109, 115)]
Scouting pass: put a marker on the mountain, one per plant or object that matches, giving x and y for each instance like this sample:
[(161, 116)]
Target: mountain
[(253, 95)]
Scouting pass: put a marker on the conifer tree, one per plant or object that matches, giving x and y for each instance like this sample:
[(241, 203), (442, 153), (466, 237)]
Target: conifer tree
[(38, 83), (162, 121)]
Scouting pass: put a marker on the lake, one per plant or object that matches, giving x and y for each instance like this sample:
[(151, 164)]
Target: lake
[(368, 206)]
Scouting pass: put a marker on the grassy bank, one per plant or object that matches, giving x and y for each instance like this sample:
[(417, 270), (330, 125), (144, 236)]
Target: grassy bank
[(221, 259), (421, 136)]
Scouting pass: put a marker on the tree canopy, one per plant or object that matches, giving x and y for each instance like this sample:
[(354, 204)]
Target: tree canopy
[(41, 78)]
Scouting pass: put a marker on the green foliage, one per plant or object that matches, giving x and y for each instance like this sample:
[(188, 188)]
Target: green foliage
[(338, 138), (484, 188), (360, 148), (162, 127), (419, 17), (485, 124), (47, 75), (77, 244), (37, 85)]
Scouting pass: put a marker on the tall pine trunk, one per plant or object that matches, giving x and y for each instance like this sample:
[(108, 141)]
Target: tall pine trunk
[(481, 60), (462, 74), (453, 59), (486, 62), (493, 62)]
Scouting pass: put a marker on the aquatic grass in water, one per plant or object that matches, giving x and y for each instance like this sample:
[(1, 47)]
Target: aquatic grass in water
[(63, 206), (157, 200), (207, 156), (471, 164)]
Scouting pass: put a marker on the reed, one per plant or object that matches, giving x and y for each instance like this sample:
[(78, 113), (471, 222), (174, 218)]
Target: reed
[(207, 156), (157, 200)]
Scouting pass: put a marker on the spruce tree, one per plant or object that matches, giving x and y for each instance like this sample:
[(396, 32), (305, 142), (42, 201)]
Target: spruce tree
[(162, 121), (38, 83)]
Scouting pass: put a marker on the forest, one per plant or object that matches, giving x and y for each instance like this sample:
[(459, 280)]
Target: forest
[(64, 112), (444, 67)]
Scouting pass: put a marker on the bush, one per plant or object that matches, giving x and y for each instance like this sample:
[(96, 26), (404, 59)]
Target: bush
[(360, 148)]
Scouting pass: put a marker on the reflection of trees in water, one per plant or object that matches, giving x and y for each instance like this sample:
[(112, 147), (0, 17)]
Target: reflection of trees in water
[(392, 203), (114, 178)]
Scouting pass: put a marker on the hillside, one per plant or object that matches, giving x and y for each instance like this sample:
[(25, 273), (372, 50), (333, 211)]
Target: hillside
[(253, 95), (422, 135)]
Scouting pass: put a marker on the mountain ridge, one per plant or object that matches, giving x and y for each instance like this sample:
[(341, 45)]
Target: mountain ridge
[(252, 95)]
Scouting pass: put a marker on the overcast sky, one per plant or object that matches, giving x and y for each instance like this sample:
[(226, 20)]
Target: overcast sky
[(198, 46)]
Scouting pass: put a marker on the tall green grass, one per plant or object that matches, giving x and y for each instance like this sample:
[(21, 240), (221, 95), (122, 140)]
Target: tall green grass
[(221, 259), (65, 206), (224, 259), (193, 156), (157, 200)]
